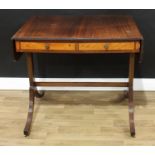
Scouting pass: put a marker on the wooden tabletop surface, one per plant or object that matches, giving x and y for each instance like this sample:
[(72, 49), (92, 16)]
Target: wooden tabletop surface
[(79, 28)]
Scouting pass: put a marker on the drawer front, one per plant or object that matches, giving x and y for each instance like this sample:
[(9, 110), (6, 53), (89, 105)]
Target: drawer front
[(41, 46), (112, 46)]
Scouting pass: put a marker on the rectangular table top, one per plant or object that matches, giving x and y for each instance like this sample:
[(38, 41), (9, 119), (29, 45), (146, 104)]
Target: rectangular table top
[(79, 28)]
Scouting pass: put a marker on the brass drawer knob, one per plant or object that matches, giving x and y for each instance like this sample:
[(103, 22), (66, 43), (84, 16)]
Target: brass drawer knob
[(106, 46), (47, 47)]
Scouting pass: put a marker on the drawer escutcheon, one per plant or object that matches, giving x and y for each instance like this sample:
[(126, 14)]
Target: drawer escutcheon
[(47, 47), (106, 46)]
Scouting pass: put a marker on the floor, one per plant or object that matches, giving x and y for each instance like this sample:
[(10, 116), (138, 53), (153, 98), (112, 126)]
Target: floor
[(76, 118)]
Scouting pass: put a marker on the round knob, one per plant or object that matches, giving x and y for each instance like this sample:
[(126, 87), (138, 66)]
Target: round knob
[(47, 47), (106, 46)]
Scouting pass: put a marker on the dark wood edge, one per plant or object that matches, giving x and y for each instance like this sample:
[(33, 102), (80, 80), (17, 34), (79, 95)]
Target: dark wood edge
[(137, 27), (141, 45), (24, 23), (76, 40), (16, 55), (141, 51)]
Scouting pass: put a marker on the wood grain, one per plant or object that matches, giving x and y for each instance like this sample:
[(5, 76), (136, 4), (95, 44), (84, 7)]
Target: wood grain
[(76, 118), (79, 28), (83, 84)]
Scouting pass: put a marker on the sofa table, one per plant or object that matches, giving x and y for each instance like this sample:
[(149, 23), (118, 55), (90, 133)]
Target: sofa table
[(78, 35)]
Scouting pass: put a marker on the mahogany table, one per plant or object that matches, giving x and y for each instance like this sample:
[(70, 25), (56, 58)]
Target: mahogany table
[(78, 35)]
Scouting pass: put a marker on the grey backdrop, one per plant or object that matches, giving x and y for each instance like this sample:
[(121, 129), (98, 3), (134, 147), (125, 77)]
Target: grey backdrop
[(63, 65)]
